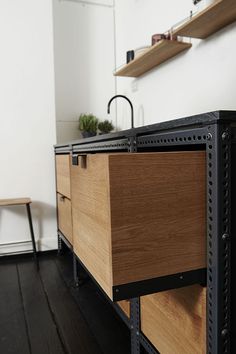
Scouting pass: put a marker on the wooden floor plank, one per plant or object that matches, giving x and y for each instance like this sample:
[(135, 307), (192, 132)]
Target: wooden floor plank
[(109, 330), (42, 329), (13, 330), (50, 316), (75, 333)]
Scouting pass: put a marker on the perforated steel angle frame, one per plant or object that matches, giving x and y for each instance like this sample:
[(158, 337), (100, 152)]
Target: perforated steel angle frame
[(216, 139)]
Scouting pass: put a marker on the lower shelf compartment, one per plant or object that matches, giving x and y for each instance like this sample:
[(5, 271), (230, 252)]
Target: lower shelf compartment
[(125, 307), (174, 321)]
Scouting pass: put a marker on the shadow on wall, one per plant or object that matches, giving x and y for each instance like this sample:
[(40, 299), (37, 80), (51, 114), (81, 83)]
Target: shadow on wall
[(41, 213), (216, 36)]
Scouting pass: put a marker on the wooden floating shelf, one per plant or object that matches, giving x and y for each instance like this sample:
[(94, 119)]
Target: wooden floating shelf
[(156, 55), (216, 16)]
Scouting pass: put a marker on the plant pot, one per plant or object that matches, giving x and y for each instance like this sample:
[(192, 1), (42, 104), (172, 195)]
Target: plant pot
[(88, 134), (101, 133)]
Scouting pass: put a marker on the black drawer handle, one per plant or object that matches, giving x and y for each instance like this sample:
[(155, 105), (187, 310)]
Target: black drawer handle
[(75, 160), (62, 198), (79, 160)]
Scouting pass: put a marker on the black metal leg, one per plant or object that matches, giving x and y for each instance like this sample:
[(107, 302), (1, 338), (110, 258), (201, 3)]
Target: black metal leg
[(32, 235), (135, 325), (219, 238), (75, 271), (59, 251)]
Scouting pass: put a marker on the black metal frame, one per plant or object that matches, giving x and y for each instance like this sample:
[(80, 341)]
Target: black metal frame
[(215, 133), (217, 139), (219, 234), (150, 286), (135, 325), (233, 244), (62, 237), (62, 240), (112, 145)]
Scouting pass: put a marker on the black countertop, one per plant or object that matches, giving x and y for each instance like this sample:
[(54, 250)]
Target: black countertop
[(199, 120)]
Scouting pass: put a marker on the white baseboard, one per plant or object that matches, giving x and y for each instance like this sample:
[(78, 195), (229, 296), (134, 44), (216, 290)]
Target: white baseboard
[(48, 244), (45, 244)]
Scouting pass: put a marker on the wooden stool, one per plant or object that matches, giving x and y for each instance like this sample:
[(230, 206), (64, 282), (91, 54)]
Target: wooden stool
[(24, 201)]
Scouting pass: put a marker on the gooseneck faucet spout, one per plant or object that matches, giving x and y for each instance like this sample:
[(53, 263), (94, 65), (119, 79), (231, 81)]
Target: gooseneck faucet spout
[(131, 106)]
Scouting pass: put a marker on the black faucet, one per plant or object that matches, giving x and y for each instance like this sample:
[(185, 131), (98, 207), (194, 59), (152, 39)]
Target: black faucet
[(131, 106)]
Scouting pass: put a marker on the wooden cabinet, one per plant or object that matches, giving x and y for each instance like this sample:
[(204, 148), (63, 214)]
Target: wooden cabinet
[(64, 216), (139, 222), (139, 216), (63, 184), (175, 320), (63, 175)]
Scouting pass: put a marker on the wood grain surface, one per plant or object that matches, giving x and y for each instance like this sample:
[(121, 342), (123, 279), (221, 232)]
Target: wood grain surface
[(175, 320), (65, 217), (139, 216), (17, 201), (216, 16), (91, 218), (156, 55), (158, 214), (63, 175)]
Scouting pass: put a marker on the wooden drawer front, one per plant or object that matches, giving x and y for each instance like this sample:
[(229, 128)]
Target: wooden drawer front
[(175, 320), (91, 218), (139, 216), (63, 174), (64, 217), (125, 306)]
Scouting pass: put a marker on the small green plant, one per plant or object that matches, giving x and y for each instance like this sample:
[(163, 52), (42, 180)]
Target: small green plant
[(88, 124), (105, 126)]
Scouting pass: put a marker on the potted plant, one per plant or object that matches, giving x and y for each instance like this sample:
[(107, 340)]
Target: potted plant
[(105, 127), (88, 125)]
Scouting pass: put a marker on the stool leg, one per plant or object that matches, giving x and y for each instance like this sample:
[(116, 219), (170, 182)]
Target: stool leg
[(32, 235)]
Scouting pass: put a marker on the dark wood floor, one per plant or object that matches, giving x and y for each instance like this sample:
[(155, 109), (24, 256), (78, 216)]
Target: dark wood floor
[(42, 313)]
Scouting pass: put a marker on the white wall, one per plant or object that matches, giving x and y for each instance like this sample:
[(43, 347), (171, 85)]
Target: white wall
[(200, 80), (84, 62), (27, 114)]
